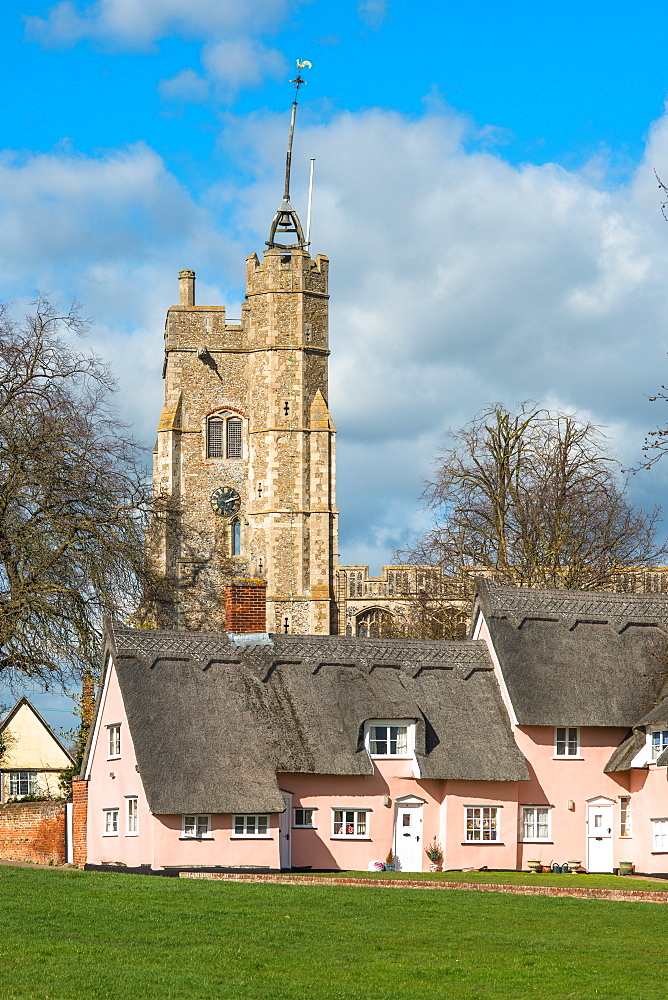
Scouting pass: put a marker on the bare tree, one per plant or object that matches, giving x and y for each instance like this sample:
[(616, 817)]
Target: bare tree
[(535, 499), (73, 500)]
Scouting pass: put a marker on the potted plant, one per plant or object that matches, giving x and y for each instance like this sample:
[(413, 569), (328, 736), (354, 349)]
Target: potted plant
[(390, 861), (435, 854), (535, 866), (573, 865)]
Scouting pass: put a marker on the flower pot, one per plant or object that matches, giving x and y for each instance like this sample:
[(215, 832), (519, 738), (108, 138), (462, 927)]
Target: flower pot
[(626, 868), (390, 866), (574, 865), (436, 866), (535, 866)]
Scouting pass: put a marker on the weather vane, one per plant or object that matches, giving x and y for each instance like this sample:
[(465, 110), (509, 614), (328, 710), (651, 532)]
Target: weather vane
[(286, 219)]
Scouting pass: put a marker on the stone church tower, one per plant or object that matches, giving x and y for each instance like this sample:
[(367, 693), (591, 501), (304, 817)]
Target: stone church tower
[(244, 462), (245, 450)]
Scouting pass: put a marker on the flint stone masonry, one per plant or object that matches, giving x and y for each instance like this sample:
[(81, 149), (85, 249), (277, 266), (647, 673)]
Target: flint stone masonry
[(33, 831), (615, 895), (270, 371)]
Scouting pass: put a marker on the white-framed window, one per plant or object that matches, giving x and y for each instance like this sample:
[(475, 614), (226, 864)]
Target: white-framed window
[(536, 823), (481, 824), (567, 741), (196, 827), (251, 826), (131, 816), (659, 741), (390, 737), (350, 823), (625, 816), (23, 783), (224, 438), (110, 822), (304, 817), (660, 834), (114, 740)]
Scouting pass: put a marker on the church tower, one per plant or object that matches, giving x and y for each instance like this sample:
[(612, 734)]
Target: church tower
[(244, 466)]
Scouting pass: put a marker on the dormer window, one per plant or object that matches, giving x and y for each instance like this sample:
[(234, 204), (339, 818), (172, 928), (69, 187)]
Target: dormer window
[(390, 738), (659, 739), (224, 437)]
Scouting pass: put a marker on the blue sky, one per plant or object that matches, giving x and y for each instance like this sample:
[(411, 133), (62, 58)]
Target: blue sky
[(484, 189)]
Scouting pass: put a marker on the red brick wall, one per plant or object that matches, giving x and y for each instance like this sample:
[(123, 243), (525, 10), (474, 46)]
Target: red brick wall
[(246, 606), (79, 821), (33, 831)]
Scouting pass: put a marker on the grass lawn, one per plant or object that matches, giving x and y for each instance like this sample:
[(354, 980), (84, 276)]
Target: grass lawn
[(67, 935)]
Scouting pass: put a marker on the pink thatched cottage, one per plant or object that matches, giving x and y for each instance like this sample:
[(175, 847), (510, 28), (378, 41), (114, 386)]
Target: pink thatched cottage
[(542, 737)]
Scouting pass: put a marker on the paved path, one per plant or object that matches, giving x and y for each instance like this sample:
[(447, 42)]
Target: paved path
[(618, 895)]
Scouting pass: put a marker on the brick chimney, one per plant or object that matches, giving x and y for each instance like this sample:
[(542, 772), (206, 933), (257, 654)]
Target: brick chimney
[(246, 606), (87, 698)]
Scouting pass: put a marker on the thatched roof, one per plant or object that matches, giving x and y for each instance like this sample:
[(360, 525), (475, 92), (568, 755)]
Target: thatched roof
[(214, 720), (577, 658)]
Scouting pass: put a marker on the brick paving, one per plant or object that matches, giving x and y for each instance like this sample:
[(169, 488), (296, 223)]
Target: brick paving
[(618, 895)]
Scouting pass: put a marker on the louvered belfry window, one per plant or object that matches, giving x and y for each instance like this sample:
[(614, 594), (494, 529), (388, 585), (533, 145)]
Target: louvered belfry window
[(223, 437), (234, 437), (214, 443)]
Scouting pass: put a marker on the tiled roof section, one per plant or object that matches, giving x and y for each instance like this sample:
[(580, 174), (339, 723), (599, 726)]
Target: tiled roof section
[(576, 658), (213, 723), (517, 604)]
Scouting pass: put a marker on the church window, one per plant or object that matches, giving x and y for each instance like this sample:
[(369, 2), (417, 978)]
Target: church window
[(375, 623), (233, 437), (214, 444), (224, 437), (352, 584), (236, 537)]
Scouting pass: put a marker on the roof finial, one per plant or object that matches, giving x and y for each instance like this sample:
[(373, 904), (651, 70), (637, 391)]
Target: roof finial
[(286, 219)]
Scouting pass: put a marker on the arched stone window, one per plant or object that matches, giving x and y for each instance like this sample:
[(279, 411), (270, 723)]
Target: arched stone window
[(235, 537), (224, 436), (374, 623)]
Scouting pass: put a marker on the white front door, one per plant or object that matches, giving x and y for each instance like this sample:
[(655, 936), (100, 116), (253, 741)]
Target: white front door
[(599, 837), (408, 838), (284, 830)]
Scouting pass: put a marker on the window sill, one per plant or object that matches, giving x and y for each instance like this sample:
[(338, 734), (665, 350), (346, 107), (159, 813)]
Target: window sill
[(117, 757), (305, 828), (536, 841), (206, 837), (566, 757), (484, 843), (391, 756), (357, 840), (658, 852), (132, 834), (251, 836), (109, 834)]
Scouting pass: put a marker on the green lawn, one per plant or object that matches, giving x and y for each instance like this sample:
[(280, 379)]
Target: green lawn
[(67, 935)]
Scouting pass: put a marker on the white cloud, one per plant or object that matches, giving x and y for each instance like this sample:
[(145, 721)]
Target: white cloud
[(456, 279), (185, 86), (373, 12), (242, 62), (138, 23)]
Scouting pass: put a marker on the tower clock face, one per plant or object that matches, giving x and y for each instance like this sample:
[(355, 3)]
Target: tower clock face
[(225, 501)]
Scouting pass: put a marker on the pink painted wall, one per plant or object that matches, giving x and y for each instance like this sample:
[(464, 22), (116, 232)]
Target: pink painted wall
[(221, 848), (105, 791), (462, 854), (556, 780)]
